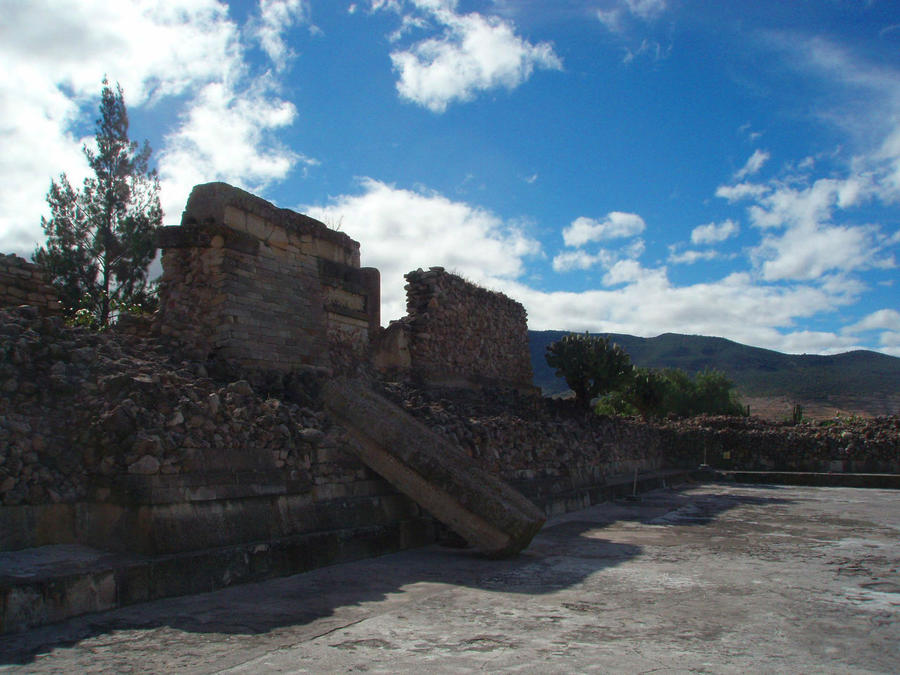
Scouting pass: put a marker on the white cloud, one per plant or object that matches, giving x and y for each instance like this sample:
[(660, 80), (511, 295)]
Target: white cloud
[(161, 53), (890, 343), (734, 193), (275, 17), (713, 234), (753, 165), (809, 252), (736, 307), (616, 14), (401, 230), (816, 342), (580, 260), (689, 257), (615, 225), (883, 319), (223, 137), (475, 53), (632, 272), (646, 9)]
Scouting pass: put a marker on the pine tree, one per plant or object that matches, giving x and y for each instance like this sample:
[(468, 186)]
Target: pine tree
[(101, 239)]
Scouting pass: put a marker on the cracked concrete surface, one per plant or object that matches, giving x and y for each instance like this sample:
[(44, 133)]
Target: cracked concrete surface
[(710, 578)]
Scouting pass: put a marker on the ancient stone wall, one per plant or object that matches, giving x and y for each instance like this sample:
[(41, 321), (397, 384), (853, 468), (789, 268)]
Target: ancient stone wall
[(115, 440), (839, 445), (458, 334), (23, 283), (262, 287)]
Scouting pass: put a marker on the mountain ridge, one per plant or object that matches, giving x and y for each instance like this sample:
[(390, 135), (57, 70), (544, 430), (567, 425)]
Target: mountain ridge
[(854, 382)]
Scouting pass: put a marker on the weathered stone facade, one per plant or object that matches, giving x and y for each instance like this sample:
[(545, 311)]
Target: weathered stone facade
[(23, 283), (261, 287), (457, 334)]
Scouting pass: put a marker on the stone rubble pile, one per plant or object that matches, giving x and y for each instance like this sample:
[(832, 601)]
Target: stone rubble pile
[(76, 404), (521, 437)]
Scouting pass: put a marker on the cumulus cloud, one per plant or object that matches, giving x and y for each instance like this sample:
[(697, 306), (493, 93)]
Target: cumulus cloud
[(161, 53), (615, 225), (809, 252), (223, 136), (580, 260), (753, 165), (713, 234), (883, 319), (689, 257), (474, 53), (401, 230)]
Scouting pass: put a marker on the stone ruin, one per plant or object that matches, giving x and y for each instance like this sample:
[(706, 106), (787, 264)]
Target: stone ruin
[(23, 283), (457, 334), (270, 289), (263, 287), (125, 442)]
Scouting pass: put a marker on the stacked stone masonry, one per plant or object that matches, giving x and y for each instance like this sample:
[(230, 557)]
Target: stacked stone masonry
[(264, 288), (90, 417), (23, 283), (458, 334)]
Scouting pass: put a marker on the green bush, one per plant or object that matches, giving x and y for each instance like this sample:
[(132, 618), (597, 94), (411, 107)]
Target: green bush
[(658, 393)]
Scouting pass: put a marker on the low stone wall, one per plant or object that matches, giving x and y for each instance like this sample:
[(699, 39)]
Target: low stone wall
[(263, 288), (552, 452), (458, 334), (23, 283), (854, 444)]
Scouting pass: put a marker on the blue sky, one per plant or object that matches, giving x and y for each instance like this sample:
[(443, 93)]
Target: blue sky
[(635, 166)]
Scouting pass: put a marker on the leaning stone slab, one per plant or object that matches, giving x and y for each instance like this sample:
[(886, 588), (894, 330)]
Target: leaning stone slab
[(432, 471)]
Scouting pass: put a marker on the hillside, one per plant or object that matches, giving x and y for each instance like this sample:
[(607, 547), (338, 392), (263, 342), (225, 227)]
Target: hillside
[(860, 382)]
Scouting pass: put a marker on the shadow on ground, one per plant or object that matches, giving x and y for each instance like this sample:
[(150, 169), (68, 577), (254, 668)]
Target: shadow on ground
[(565, 553)]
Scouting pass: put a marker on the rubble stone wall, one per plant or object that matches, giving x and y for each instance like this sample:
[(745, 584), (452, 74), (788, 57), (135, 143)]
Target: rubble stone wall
[(23, 283), (262, 287), (459, 334), (115, 440), (852, 444)]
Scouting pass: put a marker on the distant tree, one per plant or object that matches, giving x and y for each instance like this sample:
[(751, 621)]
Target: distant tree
[(100, 239), (646, 391), (590, 364)]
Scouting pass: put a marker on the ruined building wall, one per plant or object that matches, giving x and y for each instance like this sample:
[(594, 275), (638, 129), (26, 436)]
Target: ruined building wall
[(458, 334), (23, 283), (263, 287)]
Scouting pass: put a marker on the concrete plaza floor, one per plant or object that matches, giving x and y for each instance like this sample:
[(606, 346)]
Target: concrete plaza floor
[(703, 578)]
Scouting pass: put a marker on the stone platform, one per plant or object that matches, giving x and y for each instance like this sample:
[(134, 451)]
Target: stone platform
[(706, 578)]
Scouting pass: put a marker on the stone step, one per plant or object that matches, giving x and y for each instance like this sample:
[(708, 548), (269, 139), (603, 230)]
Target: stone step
[(433, 472), (47, 584)]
